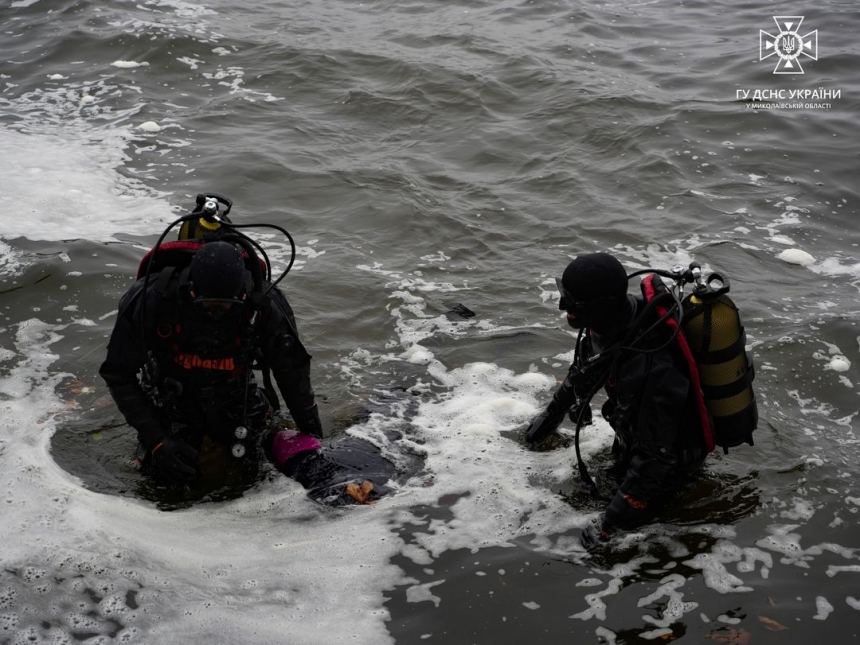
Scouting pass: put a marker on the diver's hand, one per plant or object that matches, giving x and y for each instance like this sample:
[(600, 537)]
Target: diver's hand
[(550, 419), (174, 460), (626, 511), (308, 420), (543, 426)]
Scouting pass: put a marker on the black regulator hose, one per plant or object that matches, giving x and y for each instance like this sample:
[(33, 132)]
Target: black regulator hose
[(247, 245), (292, 248)]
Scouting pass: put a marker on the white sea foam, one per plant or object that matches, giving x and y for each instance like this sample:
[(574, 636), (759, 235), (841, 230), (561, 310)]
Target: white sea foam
[(422, 593), (658, 256), (824, 608), (796, 256), (51, 180), (675, 606), (839, 364), (835, 267), (129, 64), (596, 604), (713, 568), (11, 259), (182, 9)]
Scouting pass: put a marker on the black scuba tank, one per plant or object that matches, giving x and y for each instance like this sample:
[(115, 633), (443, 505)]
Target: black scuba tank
[(712, 326)]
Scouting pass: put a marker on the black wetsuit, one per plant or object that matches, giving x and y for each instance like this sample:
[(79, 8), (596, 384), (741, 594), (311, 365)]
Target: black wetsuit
[(651, 407)]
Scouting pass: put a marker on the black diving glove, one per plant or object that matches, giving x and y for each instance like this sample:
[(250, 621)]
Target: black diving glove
[(544, 424), (174, 461), (625, 511), (550, 419)]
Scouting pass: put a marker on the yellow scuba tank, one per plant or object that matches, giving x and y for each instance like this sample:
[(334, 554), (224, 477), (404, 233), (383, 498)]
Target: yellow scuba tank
[(195, 230), (713, 329)]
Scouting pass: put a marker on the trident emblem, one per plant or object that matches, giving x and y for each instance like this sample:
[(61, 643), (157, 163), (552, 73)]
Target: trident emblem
[(788, 45)]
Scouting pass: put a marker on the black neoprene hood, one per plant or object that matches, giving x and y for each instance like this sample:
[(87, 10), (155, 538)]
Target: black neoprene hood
[(217, 271), (594, 275)]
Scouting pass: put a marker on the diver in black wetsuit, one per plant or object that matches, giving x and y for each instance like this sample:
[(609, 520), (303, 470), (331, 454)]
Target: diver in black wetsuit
[(650, 403), (179, 366)]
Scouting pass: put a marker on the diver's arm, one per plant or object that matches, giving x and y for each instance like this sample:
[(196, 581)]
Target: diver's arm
[(125, 358), (575, 384), (657, 426), (550, 419), (295, 386), (290, 364)]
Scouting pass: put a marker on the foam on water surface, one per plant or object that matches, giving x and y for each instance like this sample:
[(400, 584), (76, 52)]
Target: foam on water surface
[(797, 256), (53, 180)]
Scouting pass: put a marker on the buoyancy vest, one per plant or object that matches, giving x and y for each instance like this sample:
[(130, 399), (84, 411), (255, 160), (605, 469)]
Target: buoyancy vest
[(712, 341)]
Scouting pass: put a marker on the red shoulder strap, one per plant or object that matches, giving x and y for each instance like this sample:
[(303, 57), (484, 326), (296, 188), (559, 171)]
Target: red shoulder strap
[(170, 250), (185, 248), (649, 292)]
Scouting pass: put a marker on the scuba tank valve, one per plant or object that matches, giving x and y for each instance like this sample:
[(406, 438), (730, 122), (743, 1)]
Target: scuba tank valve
[(208, 207)]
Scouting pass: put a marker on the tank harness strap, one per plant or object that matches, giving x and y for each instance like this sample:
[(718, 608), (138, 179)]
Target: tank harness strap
[(166, 289), (649, 290), (715, 357), (717, 392), (268, 387), (724, 355), (163, 281)]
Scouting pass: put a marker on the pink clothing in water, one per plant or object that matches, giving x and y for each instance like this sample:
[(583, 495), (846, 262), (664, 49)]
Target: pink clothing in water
[(289, 443)]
